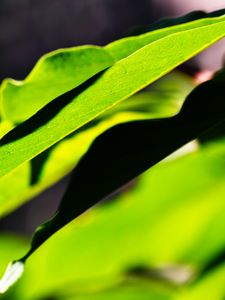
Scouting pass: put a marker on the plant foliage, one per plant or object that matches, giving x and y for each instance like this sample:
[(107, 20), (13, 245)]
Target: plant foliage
[(80, 109)]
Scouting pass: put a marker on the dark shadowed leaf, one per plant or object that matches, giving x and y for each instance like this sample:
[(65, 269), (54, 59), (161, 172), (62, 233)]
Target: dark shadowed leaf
[(125, 151), (162, 99)]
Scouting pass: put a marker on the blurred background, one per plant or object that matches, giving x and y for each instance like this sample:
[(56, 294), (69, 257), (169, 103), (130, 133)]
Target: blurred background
[(31, 28)]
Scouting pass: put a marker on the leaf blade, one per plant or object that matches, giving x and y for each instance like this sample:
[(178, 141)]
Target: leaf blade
[(116, 84), (77, 64)]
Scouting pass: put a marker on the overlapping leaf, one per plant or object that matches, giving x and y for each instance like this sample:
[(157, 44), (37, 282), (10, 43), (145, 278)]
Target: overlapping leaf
[(126, 157), (54, 74), (92, 257), (63, 70), (125, 151), (72, 110), (163, 99)]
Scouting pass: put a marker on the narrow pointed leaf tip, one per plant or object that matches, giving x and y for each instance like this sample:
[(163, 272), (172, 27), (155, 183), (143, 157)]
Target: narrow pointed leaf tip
[(12, 274)]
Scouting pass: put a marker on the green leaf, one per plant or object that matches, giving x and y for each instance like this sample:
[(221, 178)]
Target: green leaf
[(53, 165), (65, 69), (13, 187), (163, 99), (54, 74), (11, 245), (5, 127), (147, 226), (125, 151), (209, 287), (128, 291), (79, 106)]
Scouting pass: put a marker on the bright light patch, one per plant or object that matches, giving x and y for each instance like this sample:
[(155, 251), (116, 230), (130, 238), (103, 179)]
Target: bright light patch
[(12, 274), (186, 149)]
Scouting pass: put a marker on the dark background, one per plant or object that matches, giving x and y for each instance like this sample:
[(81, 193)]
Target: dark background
[(30, 28)]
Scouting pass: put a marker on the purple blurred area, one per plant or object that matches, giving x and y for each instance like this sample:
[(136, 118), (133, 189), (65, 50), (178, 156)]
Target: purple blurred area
[(30, 28)]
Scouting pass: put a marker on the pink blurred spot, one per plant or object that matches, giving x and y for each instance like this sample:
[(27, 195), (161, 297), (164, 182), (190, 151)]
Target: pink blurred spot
[(203, 76)]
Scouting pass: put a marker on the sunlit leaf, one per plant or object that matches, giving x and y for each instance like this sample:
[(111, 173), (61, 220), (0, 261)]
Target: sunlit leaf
[(82, 104), (64, 69), (136, 232), (161, 100), (54, 74)]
